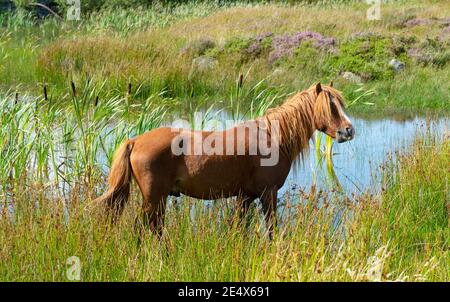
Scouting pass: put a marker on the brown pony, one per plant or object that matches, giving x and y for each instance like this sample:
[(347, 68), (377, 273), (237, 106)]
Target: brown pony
[(235, 168)]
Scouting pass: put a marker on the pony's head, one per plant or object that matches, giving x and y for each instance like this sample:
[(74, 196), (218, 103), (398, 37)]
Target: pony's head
[(329, 115)]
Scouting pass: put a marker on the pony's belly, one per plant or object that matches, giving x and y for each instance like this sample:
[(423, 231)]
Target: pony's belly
[(212, 179), (208, 188), (213, 194)]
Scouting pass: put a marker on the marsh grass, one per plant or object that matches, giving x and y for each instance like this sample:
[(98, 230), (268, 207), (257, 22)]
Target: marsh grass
[(66, 142), (320, 237)]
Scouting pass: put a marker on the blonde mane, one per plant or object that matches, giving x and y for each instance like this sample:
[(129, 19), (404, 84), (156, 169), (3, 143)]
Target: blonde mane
[(298, 116)]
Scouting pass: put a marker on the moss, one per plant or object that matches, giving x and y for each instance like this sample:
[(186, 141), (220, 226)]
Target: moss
[(241, 50), (236, 45), (233, 48), (305, 57), (213, 52), (266, 43), (367, 56)]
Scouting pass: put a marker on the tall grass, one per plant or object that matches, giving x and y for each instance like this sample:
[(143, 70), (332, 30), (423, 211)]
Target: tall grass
[(416, 203), (205, 243)]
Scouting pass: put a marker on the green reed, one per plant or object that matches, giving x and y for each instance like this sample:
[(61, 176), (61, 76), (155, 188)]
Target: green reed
[(65, 141)]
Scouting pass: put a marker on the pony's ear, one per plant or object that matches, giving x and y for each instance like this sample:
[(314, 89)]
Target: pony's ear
[(318, 88), (331, 83)]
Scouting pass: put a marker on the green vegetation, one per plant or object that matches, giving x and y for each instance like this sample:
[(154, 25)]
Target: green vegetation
[(424, 191), (196, 51), (367, 56)]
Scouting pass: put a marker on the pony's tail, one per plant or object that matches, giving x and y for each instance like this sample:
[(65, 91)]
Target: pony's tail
[(119, 182)]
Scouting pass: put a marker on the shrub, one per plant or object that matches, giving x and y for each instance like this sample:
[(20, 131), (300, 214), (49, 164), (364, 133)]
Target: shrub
[(284, 46), (367, 55)]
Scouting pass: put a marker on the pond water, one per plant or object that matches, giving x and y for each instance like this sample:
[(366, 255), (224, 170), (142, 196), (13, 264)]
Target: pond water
[(357, 163)]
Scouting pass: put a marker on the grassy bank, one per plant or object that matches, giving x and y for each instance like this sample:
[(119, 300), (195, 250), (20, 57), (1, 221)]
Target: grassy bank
[(196, 52), (400, 234)]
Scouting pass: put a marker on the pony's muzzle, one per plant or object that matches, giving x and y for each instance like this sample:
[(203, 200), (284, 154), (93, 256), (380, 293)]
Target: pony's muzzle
[(345, 134)]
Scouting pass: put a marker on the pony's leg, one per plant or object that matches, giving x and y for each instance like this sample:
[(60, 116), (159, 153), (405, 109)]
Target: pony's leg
[(154, 204), (243, 205), (269, 205), (154, 211)]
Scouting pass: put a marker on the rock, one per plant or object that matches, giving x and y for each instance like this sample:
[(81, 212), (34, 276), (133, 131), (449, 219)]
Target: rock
[(397, 65), (351, 77), (203, 63), (278, 72)]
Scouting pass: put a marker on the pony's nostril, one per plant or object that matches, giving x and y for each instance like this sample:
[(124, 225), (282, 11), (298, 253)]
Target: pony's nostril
[(349, 131)]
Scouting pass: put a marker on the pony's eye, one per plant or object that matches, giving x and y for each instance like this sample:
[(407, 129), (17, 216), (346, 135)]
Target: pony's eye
[(334, 109)]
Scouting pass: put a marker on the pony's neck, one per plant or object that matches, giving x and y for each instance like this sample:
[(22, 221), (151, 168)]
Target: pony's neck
[(296, 123)]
